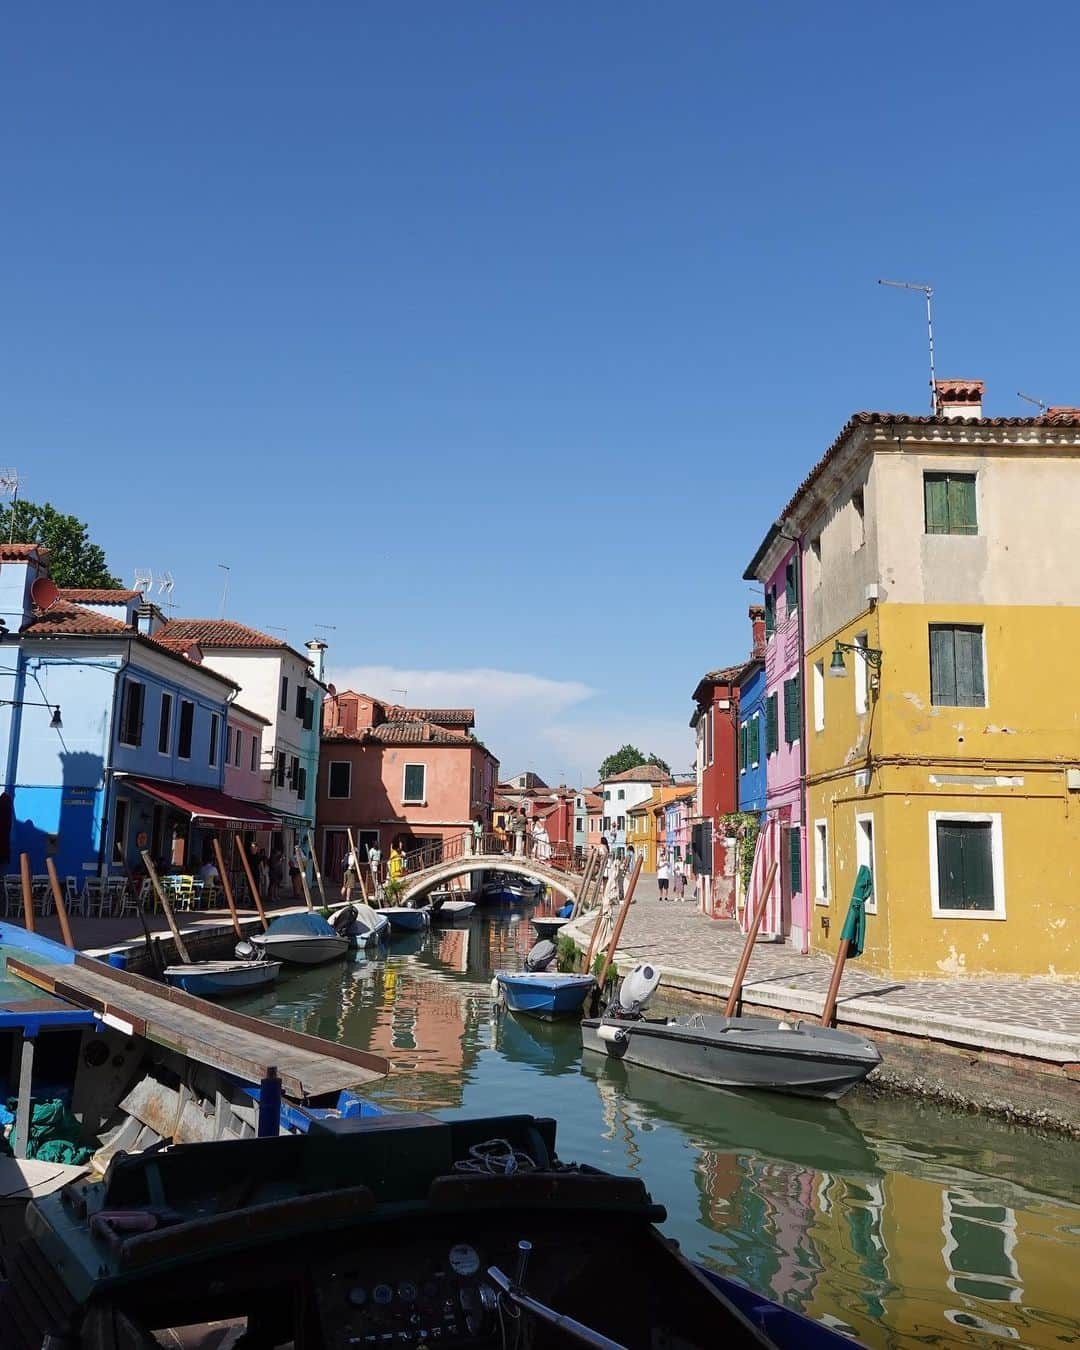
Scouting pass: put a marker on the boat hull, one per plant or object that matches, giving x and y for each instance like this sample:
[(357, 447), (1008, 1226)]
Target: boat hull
[(548, 927), (542, 995), (739, 1052), (451, 911), (301, 950), (219, 979), (405, 920)]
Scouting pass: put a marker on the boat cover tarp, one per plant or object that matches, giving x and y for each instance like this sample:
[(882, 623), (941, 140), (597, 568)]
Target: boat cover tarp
[(301, 925)]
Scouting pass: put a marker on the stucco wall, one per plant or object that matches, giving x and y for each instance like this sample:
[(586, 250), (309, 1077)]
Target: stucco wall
[(241, 780)]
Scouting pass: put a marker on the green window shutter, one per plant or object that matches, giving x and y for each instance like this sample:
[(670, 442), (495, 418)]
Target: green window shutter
[(792, 711), (795, 845), (968, 663), (942, 667), (742, 746), (965, 865), (770, 612), (755, 740), (936, 493), (961, 496), (950, 867), (791, 584), (772, 730)]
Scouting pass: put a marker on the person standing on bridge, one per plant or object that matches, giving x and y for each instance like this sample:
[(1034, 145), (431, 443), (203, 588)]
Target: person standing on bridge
[(517, 823), (541, 843), (374, 857), (478, 835), (397, 862)]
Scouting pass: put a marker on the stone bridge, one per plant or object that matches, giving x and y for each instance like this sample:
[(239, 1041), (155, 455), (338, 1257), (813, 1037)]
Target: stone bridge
[(431, 878)]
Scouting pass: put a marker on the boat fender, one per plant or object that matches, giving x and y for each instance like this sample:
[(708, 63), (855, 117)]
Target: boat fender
[(606, 1033)]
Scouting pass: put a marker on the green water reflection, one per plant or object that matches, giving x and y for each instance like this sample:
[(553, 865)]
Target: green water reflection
[(907, 1225)]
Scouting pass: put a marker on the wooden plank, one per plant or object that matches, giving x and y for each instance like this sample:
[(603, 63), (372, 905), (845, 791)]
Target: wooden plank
[(212, 1035)]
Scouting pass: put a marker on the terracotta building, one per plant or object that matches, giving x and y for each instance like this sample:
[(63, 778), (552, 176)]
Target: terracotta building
[(394, 774)]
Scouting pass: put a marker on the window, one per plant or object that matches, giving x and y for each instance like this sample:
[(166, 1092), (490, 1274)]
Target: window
[(340, 782), (301, 782), (214, 723), (620, 824), (755, 740), (792, 710), (950, 503), (309, 712), (865, 856), (861, 674), (607, 824), (709, 737), (795, 858), (772, 725), (164, 731), (254, 752), (284, 704), (279, 769), (621, 794), (228, 744), (131, 712), (821, 862), (239, 738), (858, 505), (791, 584), (744, 746), (120, 829), (957, 677), (413, 789), (966, 872), (607, 795), (819, 695), (578, 826), (187, 722), (770, 611), (301, 699), (294, 771)]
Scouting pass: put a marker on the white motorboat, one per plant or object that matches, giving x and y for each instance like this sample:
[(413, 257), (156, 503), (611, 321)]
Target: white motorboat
[(302, 940)]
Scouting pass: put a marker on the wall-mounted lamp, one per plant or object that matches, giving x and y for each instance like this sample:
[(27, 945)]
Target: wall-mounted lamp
[(838, 666), (56, 722)]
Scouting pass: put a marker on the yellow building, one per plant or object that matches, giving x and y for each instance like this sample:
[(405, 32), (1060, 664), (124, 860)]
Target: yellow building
[(645, 824), (942, 586)]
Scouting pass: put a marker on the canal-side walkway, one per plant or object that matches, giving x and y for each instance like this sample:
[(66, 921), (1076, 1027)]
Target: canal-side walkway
[(1035, 1018)]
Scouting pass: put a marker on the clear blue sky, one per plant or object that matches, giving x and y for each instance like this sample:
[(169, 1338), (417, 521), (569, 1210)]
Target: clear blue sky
[(530, 313)]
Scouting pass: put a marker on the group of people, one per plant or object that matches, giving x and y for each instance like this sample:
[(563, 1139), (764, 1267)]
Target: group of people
[(371, 867), (536, 837), (670, 873)]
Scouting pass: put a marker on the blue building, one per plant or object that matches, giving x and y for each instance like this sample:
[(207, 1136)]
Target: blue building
[(111, 742), (751, 682)]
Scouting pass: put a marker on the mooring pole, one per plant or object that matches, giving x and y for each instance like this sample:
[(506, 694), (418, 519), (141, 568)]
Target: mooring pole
[(748, 946)]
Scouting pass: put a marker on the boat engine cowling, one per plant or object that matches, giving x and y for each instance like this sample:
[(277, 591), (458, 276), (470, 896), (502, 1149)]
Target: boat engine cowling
[(344, 919), (541, 956), (635, 991)]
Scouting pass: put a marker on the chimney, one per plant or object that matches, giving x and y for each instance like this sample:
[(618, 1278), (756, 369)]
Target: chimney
[(148, 618), (317, 649), (20, 566), (959, 398), (757, 628)]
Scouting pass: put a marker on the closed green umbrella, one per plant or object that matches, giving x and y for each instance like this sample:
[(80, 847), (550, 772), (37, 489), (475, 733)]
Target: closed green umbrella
[(854, 929)]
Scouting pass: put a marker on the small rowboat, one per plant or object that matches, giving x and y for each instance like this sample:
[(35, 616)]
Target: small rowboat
[(302, 940), (219, 979), (540, 994), (448, 911), (405, 919)]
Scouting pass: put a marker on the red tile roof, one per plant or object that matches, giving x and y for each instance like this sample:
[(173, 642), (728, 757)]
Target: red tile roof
[(402, 733), (99, 596), (465, 717), (23, 552), (65, 618), (219, 633), (644, 773)]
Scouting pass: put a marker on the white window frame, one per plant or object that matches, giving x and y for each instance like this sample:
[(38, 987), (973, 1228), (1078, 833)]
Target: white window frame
[(862, 676), (819, 695), (413, 801), (337, 796), (821, 862), (861, 819), (997, 863)]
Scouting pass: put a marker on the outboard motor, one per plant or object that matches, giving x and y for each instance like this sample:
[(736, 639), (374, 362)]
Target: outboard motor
[(343, 920), (246, 951), (541, 956), (634, 993)]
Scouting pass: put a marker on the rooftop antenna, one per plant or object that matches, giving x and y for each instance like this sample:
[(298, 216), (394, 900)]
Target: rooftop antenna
[(928, 291), (331, 627), (144, 580), (275, 629), (165, 588), (9, 483), (403, 692), (1028, 399), (225, 589)]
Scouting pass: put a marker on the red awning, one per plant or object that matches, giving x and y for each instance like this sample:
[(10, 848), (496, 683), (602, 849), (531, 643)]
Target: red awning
[(207, 804)]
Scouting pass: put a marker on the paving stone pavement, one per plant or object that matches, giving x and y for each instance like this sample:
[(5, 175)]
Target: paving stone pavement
[(677, 934)]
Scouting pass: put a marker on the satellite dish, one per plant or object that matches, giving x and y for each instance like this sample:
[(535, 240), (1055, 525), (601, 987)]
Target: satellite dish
[(43, 593)]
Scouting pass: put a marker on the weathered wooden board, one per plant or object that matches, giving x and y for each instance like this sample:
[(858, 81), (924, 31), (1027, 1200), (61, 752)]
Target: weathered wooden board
[(210, 1034)]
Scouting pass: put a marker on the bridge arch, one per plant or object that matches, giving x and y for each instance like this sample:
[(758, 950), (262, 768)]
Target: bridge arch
[(420, 883)]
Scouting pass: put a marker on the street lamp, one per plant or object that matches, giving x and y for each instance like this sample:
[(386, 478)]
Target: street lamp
[(838, 666), (55, 722)]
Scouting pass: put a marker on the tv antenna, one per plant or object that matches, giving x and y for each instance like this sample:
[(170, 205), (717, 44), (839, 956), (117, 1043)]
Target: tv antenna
[(225, 589), (9, 485), (928, 291), (144, 580), (1028, 399), (275, 629), (165, 588)]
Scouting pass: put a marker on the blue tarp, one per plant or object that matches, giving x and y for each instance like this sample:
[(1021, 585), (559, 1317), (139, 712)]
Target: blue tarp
[(301, 925)]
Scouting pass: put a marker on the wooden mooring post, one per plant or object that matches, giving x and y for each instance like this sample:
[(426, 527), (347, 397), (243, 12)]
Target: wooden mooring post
[(252, 887), (748, 946), (58, 901), (27, 894), (163, 901)]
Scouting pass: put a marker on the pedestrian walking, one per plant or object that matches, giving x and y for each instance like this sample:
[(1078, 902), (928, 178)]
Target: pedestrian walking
[(631, 858), (680, 881), (374, 857), (350, 877), (663, 873)]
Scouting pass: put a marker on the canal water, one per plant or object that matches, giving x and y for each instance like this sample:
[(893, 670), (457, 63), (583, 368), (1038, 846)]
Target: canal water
[(906, 1225)]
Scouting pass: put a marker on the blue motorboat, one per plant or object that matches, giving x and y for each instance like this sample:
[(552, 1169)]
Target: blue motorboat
[(405, 919), (540, 994), (219, 979), (782, 1327)]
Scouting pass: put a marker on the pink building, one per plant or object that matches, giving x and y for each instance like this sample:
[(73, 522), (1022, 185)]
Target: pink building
[(410, 776), (777, 566), (243, 755)]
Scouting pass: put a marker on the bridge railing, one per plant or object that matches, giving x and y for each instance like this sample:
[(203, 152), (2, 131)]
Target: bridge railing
[(491, 844)]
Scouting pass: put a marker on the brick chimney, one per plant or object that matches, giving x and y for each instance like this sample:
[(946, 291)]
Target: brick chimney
[(757, 629), (959, 398)]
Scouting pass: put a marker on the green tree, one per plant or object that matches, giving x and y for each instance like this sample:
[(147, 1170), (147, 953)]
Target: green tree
[(628, 757), (73, 559), (660, 763)]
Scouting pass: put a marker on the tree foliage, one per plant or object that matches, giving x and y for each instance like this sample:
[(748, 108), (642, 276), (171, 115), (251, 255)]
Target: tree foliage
[(73, 560), (629, 757)]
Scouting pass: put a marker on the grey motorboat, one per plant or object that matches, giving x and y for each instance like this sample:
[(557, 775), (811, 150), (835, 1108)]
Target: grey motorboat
[(774, 1055)]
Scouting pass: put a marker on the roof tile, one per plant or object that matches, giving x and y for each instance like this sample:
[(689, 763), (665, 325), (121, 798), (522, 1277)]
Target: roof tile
[(97, 595), (218, 633)]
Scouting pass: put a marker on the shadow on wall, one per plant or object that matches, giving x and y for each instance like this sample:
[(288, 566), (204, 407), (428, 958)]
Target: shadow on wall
[(64, 822)]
